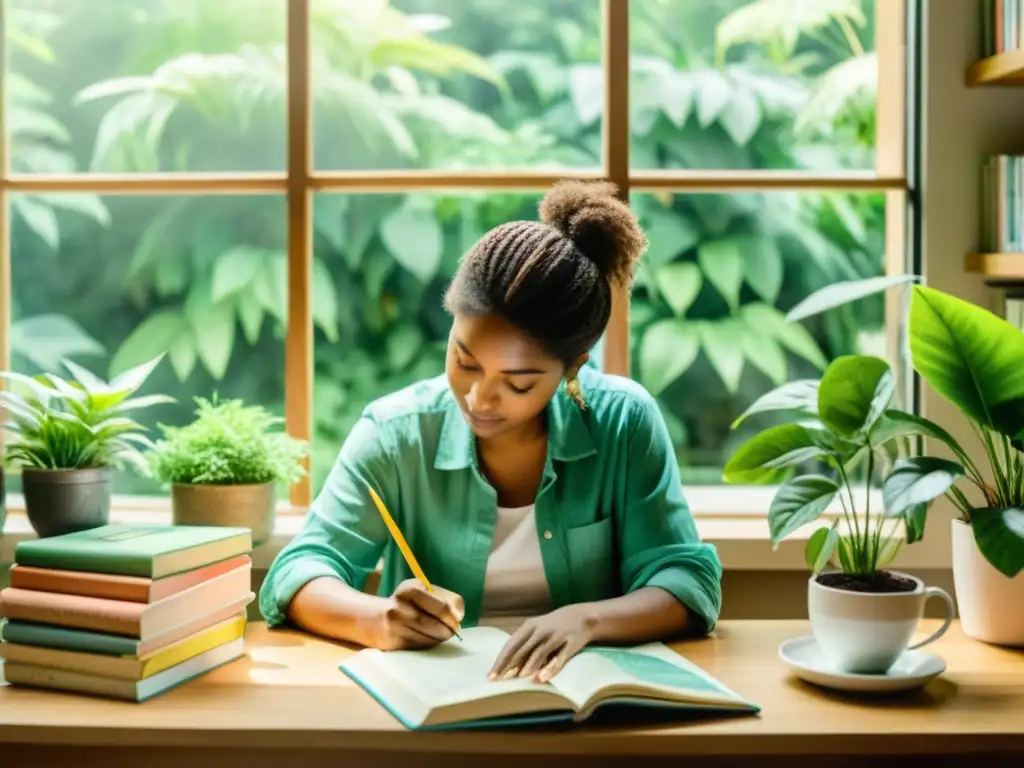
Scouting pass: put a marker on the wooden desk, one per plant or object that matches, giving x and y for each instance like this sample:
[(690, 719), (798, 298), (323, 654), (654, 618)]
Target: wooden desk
[(287, 704)]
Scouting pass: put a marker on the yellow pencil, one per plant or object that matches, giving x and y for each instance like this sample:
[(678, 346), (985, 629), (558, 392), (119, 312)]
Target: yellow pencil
[(404, 547)]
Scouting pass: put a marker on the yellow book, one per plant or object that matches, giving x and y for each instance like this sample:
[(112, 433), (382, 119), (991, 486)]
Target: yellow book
[(127, 667)]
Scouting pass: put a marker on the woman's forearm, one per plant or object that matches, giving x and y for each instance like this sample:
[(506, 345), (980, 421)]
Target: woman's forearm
[(649, 614), (329, 607)]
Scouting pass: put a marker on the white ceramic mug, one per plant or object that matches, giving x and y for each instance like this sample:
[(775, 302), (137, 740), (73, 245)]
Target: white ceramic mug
[(865, 633)]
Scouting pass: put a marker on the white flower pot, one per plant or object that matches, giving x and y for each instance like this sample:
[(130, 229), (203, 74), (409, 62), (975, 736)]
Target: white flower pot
[(991, 606), (866, 632)]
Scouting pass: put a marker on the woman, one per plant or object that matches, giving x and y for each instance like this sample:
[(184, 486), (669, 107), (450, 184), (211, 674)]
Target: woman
[(525, 482)]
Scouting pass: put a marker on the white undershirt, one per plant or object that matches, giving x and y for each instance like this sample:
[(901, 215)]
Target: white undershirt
[(515, 583)]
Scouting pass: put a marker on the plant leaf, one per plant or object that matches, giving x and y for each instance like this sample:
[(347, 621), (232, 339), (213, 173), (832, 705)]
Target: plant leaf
[(916, 481), (778, 447), (853, 394), (888, 548), (999, 534), (845, 292), (819, 548), (970, 357), (798, 502), (679, 284), (800, 396), (895, 423), (667, 350)]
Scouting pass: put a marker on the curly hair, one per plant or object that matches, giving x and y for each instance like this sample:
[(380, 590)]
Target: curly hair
[(553, 278)]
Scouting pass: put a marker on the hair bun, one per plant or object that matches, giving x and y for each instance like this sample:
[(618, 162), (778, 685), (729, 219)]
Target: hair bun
[(603, 227)]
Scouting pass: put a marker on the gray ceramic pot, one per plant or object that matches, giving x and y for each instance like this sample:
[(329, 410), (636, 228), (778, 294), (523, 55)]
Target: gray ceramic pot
[(247, 506), (59, 501)]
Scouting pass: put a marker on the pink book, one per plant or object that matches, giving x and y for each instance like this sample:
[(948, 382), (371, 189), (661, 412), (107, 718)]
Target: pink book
[(134, 589), (122, 617)]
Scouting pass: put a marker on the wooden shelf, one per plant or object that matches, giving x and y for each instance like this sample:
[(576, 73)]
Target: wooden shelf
[(1002, 69), (997, 266)]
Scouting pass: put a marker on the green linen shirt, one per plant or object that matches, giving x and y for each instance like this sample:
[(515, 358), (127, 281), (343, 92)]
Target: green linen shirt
[(610, 511)]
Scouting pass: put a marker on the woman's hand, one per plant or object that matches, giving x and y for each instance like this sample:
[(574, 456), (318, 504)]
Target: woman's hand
[(541, 646), (415, 618)]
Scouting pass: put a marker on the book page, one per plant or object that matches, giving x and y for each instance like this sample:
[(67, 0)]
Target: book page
[(454, 672), (649, 670)]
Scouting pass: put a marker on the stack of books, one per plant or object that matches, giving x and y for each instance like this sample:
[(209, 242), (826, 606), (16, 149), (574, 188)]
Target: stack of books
[(123, 611)]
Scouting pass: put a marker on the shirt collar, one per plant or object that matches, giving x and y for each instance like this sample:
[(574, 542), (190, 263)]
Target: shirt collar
[(569, 436)]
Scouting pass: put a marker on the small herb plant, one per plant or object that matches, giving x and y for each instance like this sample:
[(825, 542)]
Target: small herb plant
[(228, 443), (77, 423), (846, 422)]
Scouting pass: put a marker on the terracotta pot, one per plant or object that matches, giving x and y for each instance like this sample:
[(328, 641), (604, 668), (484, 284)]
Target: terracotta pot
[(247, 506), (991, 606)]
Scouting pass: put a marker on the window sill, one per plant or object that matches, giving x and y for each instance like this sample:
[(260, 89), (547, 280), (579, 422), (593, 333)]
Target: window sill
[(734, 519)]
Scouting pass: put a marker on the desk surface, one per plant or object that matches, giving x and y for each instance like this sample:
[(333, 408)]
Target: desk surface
[(287, 692)]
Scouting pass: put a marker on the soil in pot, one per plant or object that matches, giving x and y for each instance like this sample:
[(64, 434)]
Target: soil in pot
[(878, 583)]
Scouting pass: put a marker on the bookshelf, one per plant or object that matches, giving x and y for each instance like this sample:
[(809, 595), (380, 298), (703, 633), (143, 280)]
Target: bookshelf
[(1005, 68), (996, 266), (1001, 260)]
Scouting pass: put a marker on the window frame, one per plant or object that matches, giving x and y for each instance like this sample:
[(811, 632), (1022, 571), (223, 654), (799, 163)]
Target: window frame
[(301, 180)]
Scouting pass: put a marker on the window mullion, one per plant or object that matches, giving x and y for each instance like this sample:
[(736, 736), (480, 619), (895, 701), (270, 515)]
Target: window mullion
[(298, 352)]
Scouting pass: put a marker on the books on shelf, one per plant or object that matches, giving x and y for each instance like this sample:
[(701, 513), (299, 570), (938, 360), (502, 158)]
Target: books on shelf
[(1002, 204), (447, 686), (123, 611), (1002, 26)]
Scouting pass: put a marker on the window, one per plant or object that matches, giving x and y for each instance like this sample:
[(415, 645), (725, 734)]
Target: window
[(275, 192)]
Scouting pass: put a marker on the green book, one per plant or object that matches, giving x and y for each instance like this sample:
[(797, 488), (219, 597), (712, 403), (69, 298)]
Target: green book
[(447, 686), (148, 551), (64, 638)]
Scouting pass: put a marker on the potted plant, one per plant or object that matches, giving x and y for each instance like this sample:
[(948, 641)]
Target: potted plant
[(223, 467), (69, 435), (862, 614), (973, 359)]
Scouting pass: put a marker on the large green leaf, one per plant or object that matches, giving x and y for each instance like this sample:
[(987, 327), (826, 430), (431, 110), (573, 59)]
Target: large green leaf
[(800, 396), (759, 459), (895, 423), (722, 342), (853, 394), (798, 502), (918, 480), (722, 264), (1000, 537), (413, 236), (679, 284), (667, 350), (845, 292), (971, 357)]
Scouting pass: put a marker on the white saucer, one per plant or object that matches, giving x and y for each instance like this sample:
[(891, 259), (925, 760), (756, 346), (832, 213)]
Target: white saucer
[(914, 669)]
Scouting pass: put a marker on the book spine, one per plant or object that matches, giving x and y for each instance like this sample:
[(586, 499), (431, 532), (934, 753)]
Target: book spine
[(25, 633), (83, 583), (91, 561), (1001, 205)]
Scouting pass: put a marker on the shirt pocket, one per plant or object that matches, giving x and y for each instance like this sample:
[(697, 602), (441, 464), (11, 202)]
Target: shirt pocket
[(593, 567)]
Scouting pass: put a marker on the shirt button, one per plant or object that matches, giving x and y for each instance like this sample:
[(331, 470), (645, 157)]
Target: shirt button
[(547, 534)]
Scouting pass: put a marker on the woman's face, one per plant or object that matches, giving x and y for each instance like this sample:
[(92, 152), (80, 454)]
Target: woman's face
[(501, 379)]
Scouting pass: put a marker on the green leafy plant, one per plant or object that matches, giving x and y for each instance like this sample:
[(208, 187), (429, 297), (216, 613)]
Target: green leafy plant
[(228, 443), (973, 359), (79, 423), (846, 421)]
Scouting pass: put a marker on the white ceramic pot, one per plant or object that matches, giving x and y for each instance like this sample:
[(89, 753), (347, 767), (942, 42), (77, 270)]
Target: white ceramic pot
[(991, 606), (866, 632)]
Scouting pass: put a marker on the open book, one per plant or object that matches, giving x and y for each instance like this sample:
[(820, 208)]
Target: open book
[(447, 686)]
